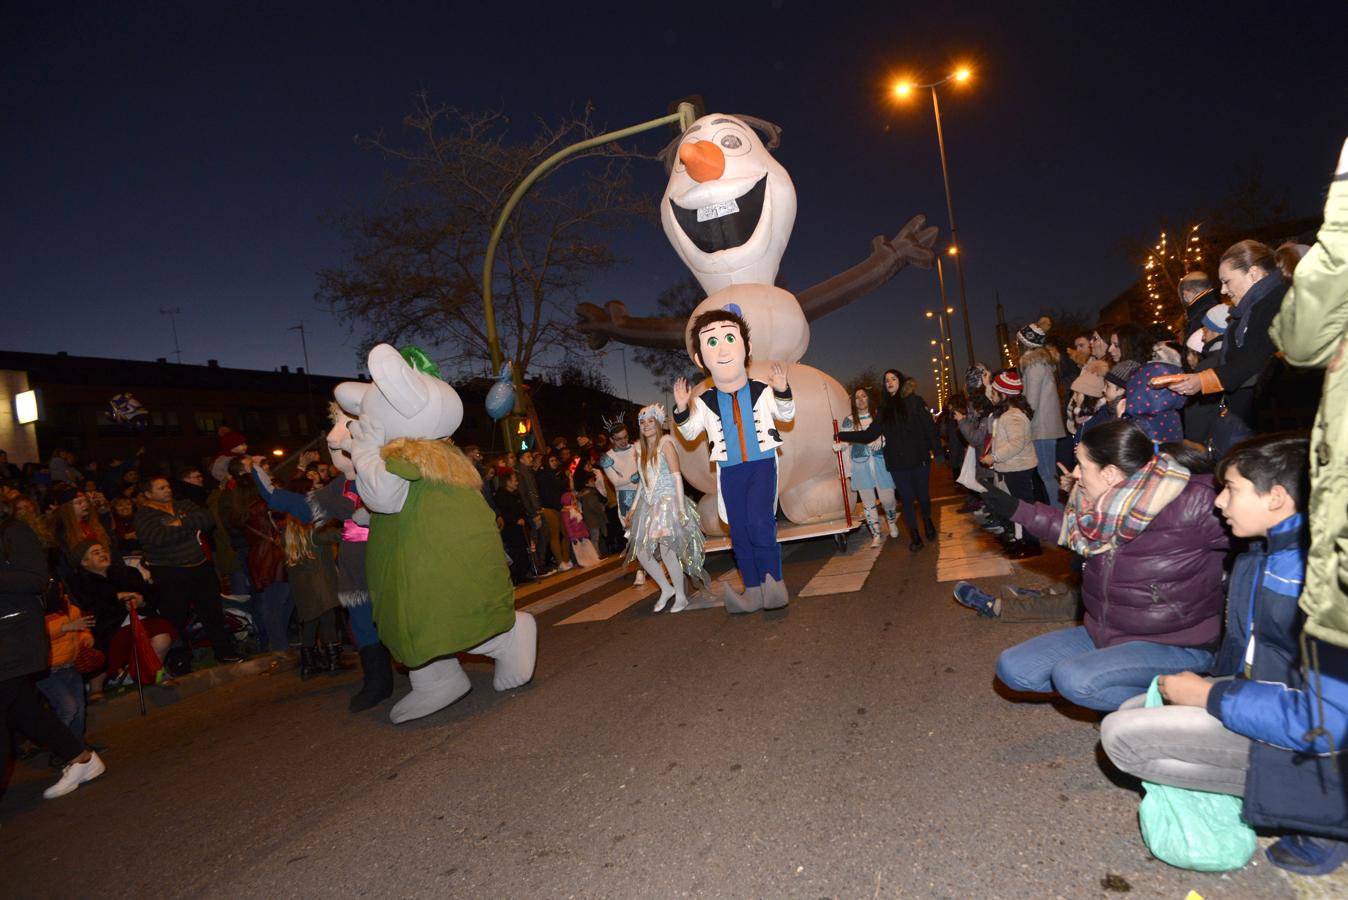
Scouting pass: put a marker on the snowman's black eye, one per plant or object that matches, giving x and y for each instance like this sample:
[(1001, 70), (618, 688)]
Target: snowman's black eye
[(731, 142)]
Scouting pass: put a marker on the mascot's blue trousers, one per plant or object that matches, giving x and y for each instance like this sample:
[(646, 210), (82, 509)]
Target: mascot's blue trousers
[(749, 492)]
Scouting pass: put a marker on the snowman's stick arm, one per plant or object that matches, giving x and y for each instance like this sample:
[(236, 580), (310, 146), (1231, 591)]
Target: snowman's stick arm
[(888, 255), (600, 324)]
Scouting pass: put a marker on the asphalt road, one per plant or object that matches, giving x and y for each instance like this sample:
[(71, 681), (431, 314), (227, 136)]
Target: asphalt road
[(851, 746)]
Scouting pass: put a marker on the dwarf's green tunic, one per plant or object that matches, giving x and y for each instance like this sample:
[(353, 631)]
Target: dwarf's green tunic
[(438, 577)]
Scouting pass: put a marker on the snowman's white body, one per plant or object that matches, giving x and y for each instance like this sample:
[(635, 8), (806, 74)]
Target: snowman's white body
[(744, 176)]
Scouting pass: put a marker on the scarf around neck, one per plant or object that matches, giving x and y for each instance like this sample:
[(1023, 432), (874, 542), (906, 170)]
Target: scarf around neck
[(1125, 511)]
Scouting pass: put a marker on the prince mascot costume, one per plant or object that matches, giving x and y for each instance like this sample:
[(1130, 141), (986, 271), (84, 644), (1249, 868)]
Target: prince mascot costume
[(739, 416), (439, 581)]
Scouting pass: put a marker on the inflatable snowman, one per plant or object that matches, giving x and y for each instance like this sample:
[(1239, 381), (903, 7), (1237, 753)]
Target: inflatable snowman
[(728, 210), (438, 578)]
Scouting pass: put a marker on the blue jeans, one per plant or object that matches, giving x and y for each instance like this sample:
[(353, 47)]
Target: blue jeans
[(1068, 662), (273, 621), (362, 624), (64, 690), (1047, 452)]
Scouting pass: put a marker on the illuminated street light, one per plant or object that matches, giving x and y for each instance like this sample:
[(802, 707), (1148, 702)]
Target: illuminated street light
[(953, 250), (904, 89)]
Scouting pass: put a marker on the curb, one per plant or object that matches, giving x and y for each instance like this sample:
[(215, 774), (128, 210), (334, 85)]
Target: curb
[(126, 706)]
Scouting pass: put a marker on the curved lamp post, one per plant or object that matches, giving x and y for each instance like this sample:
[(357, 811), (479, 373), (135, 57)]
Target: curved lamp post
[(684, 117)]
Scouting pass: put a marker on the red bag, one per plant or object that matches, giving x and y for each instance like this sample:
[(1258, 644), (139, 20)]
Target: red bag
[(144, 665), (90, 661)]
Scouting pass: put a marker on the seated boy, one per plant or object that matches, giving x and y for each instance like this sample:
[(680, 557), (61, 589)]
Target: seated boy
[(1274, 733)]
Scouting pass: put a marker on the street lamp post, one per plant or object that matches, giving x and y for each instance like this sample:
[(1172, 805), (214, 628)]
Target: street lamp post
[(903, 89)]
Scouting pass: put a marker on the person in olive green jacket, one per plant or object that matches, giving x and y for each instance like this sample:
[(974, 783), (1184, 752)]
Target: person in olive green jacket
[(1312, 330)]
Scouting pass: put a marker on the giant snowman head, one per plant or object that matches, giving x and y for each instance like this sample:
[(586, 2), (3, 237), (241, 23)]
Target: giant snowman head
[(729, 206)]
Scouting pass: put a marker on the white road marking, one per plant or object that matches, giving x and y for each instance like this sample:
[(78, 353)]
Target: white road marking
[(968, 552), (842, 574)]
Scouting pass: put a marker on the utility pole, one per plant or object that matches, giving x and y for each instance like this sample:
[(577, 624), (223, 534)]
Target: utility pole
[(308, 385), (173, 323)]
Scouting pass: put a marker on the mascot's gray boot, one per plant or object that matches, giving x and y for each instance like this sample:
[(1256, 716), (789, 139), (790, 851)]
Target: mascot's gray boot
[(514, 651), (774, 593), (434, 686), (750, 601)]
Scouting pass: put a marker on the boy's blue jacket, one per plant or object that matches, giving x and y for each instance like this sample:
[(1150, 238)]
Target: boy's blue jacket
[(1294, 781)]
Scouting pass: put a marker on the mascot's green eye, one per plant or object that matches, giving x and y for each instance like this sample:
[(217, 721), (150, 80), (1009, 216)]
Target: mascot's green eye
[(730, 339), (711, 342)]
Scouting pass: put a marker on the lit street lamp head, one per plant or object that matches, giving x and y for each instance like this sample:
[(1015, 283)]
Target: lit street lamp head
[(962, 74), (903, 89)]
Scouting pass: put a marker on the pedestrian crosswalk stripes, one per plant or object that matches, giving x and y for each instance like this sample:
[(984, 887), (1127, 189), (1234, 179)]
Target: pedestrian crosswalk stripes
[(611, 606), (966, 550), (842, 574)]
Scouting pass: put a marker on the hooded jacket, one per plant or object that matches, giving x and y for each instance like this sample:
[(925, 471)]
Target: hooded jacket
[(1039, 368), (1165, 585), (1312, 330)]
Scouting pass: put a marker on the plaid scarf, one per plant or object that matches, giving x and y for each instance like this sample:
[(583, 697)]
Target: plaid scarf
[(1125, 511)]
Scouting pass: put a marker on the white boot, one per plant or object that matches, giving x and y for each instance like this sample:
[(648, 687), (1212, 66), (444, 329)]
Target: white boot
[(893, 523), (652, 565), (434, 686), (515, 652), (640, 580), (873, 525)]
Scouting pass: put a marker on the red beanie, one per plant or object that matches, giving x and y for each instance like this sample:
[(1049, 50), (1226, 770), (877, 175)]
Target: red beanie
[(1009, 383), (229, 439)]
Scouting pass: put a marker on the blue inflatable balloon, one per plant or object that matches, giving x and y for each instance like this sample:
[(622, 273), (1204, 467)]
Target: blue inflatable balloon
[(501, 397)]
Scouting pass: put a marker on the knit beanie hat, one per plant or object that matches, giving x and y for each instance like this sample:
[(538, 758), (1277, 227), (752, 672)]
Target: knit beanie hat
[(1090, 383), (1195, 341), (973, 378), (229, 439), (1008, 382), (1122, 371), (1217, 318), (1034, 334), (76, 553)]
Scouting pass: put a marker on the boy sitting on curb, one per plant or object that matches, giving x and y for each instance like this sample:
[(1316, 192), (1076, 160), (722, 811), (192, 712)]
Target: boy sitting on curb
[(1273, 734)]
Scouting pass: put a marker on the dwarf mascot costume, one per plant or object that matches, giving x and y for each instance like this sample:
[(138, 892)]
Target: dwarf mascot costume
[(438, 576)]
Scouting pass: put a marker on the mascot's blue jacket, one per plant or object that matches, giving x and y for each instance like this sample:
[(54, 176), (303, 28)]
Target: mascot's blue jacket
[(1298, 725)]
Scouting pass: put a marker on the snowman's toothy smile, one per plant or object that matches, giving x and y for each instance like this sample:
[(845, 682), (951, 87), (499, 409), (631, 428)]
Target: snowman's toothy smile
[(725, 224)]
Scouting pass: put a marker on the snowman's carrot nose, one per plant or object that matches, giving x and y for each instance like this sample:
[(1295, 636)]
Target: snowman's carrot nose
[(704, 160)]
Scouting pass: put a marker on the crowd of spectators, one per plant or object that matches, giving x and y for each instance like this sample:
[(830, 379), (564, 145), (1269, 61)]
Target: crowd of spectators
[(1189, 525)]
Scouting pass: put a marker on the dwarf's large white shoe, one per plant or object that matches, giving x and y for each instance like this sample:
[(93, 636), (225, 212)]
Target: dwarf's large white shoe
[(514, 651), (434, 686)]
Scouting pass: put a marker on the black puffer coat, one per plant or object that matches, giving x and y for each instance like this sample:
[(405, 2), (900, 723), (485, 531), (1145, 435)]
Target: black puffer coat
[(910, 434), (23, 578)]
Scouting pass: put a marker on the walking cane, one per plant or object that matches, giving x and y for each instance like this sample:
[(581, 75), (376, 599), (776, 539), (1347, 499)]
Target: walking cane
[(135, 655), (842, 471)]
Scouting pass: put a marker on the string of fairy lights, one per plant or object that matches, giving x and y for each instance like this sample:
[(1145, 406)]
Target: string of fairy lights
[(1160, 284)]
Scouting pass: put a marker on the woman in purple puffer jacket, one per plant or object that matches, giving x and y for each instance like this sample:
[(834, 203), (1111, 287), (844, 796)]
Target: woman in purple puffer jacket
[(1152, 583)]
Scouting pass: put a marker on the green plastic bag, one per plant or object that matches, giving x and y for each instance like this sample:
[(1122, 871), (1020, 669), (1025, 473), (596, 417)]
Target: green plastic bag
[(1193, 829)]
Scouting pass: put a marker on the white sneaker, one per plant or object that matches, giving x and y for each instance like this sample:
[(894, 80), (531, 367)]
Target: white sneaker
[(565, 567), (74, 775), (875, 541), (893, 528)]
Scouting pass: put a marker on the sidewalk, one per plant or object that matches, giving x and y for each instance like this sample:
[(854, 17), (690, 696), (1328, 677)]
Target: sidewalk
[(127, 706)]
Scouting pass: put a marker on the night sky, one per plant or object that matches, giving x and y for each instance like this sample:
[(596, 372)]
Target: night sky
[(160, 156)]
